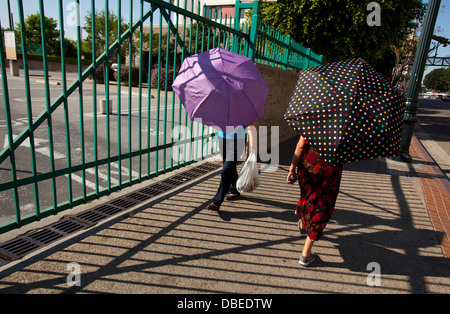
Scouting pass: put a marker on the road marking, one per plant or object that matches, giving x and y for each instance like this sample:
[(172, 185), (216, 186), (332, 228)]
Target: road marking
[(5, 143), (88, 183), (45, 151), (37, 142), (124, 170), (136, 110), (102, 176)]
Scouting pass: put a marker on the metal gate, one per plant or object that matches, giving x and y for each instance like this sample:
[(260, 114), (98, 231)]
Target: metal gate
[(71, 137)]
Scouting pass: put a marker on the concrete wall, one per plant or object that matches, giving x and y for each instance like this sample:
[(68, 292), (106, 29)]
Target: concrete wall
[(282, 85), (52, 66)]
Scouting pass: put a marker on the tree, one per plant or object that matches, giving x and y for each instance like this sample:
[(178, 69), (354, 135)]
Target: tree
[(33, 32), (70, 48), (100, 33), (338, 29), (437, 79)]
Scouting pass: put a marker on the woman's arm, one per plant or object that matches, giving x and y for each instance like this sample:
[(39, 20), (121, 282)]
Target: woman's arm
[(296, 158), (251, 137)]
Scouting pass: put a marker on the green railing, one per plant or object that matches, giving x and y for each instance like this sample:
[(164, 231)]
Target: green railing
[(67, 144), (279, 50)]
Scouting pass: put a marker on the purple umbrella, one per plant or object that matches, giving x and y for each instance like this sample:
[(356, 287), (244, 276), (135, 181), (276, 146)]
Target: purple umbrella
[(222, 88)]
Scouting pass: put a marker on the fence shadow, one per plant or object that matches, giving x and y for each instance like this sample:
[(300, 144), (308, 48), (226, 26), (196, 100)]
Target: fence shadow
[(176, 245)]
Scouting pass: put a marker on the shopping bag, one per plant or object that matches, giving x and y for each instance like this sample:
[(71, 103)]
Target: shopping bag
[(248, 178)]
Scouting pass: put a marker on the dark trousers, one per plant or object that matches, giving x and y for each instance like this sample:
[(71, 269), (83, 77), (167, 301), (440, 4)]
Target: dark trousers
[(231, 150)]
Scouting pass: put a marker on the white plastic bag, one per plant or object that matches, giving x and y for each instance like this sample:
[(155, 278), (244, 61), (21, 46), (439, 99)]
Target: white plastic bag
[(248, 178)]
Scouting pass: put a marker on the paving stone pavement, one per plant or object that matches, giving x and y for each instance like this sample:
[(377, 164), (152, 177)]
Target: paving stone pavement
[(173, 244)]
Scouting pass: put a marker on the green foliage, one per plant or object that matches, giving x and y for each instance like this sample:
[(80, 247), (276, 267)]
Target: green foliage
[(70, 48), (33, 32), (100, 33), (438, 79), (124, 75), (100, 73), (196, 38), (338, 29), (162, 78)]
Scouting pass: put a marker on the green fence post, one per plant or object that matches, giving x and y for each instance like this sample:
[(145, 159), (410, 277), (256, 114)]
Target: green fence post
[(130, 147), (287, 51), (9, 129), (106, 82), (119, 103), (412, 93), (308, 58), (80, 106), (47, 103), (29, 107), (253, 30), (66, 108)]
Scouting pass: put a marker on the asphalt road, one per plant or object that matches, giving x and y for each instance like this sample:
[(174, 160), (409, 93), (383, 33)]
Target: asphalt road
[(433, 130), (156, 123)]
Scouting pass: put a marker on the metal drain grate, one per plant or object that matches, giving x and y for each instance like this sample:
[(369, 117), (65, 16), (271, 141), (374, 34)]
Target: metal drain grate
[(123, 203), (150, 191), (97, 214), (18, 248), (108, 210), (175, 181), (46, 236), (193, 173), (68, 226), (139, 197), (90, 217)]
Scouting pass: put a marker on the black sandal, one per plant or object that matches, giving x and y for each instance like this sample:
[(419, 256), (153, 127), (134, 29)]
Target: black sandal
[(231, 197)]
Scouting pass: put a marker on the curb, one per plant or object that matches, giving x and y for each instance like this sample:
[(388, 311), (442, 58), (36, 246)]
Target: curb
[(436, 189)]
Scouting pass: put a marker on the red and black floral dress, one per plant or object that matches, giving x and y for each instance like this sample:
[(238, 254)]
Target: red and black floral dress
[(319, 187)]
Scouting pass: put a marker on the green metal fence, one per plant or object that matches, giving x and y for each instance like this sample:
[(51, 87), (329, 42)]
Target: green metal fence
[(279, 50), (68, 144)]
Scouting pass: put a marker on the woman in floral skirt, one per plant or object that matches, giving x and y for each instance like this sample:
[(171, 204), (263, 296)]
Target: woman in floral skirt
[(319, 187)]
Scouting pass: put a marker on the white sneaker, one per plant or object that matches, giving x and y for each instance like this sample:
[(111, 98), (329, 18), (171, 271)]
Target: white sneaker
[(305, 261)]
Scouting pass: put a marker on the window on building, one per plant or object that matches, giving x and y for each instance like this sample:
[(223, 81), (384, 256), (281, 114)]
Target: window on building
[(213, 10)]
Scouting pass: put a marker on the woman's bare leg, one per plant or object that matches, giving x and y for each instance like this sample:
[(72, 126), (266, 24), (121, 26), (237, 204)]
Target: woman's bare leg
[(307, 247)]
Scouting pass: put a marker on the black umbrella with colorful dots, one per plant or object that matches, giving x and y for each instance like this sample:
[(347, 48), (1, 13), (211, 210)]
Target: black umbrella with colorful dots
[(347, 111)]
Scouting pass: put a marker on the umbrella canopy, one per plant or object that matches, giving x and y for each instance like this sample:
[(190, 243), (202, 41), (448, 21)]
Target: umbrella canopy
[(222, 88), (347, 111)]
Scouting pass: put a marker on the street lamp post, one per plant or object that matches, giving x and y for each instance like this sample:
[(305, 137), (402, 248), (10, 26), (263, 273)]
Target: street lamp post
[(412, 93)]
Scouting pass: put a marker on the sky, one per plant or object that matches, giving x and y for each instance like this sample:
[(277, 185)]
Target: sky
[(442, 26), (51, 9)]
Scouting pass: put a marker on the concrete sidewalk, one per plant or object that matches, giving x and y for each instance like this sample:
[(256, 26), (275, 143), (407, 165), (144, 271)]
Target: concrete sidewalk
[(390, 216)]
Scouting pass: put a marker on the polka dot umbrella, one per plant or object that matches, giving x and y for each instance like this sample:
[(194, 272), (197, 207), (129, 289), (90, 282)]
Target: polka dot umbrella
[(347, 111)]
